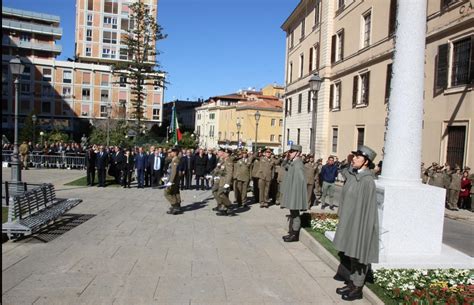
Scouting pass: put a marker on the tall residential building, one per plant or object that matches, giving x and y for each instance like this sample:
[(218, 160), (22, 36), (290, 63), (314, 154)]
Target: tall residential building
[(30, 34), (100, 29), (355, 44), (68, 95), (217, 118)]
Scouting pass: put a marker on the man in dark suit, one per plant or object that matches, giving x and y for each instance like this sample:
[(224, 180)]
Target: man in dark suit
[(127, 168), (91, 159), (148, 169), (101, 162), (200, 168), (140, 165), (211, 164), (189, 169), (156, 164)]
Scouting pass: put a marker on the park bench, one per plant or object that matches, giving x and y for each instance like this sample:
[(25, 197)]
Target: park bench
[(14, 188), (34, 209)]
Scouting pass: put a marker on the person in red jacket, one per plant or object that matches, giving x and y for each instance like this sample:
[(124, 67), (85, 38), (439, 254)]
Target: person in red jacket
[(464, 194)]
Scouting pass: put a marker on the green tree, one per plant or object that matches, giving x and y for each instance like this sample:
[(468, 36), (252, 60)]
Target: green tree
[(117, 133), (141, 69), (27, 131)]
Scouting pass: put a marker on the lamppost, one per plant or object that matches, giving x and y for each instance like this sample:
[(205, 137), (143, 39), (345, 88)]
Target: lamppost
[(16, 68), (238, 133), (314, 86), (41, 135), (257, 118), (109, 111), (34, 118)]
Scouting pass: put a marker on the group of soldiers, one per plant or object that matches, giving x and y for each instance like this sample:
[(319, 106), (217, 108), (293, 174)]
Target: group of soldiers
[(448, 178), (236, 170)]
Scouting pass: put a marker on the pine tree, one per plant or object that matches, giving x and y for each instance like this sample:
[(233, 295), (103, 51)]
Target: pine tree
[(141, 69)]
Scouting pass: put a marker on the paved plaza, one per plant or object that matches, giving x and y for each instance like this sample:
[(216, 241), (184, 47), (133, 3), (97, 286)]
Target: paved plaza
[(132, 252)]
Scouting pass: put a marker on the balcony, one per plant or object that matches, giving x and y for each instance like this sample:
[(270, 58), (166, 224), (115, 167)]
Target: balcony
[(8, 11), (31, 27), (55, 48)]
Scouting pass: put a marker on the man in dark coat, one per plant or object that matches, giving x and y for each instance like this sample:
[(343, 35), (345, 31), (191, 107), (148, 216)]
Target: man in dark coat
[(357, 233), (101, 162), (200, 168), (140, 164), (127, 168), (91, 159), (294, 192), (211, 164), (156, 164), (186, 168)]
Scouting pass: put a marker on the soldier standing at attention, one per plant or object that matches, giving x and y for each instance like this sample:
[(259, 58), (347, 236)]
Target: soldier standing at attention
[(454, 189), (242, 177), (255, 169), (281, 169), (223, 170), (172, 186), (311, 173), (265, 174), (294, 192)]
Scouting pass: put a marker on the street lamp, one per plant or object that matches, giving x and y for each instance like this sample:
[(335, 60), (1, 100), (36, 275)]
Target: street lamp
[(238, 133), (257, 118), (41, 135), (109, 111), (314, 86), (16, 68), (34, 118)]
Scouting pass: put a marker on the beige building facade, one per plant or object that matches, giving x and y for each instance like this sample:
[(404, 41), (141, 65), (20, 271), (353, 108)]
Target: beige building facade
[(356, 48)]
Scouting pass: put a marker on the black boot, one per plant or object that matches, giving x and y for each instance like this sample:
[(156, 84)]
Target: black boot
[(294, 236), (222, 213), (346, 289), (290, 225), (354, 294)]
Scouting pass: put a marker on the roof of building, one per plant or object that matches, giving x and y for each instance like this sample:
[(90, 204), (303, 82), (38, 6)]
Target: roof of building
[(274, 103), (8, 11)]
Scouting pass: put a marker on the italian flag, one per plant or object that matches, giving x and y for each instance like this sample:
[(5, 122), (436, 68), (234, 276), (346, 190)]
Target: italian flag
[(177, 135)]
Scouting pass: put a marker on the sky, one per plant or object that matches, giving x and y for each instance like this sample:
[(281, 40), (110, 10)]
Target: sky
[(214, 47)]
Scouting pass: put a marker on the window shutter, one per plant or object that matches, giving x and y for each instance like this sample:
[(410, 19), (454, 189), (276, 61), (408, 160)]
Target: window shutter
[(317, 56), (442, 67), (342, 44), (367, 88), (331, 97), (333, 48), (471, 72), (310, 59), (392, 19), (388, 82), (339, 91), (355, 90)]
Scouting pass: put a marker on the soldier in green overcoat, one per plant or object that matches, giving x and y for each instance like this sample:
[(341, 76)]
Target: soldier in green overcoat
[(172, 186), (294, 192), (357, 233)]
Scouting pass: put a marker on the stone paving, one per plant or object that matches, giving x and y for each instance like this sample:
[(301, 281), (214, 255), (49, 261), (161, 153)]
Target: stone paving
[(132, 252)]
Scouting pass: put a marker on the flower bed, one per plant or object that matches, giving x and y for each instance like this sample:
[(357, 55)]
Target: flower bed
[(323, 222)]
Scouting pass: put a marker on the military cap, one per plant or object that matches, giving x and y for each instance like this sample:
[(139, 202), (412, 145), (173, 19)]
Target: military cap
[(268, 149), (296, 147), (363, 150)]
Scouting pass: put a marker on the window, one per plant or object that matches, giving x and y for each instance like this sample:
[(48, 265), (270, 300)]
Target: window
[(388, 82), (335, 97), (461, 56), (103, 111), (66, 92), (104, 79), (88, 35), (360, 136), (288, 135), (110, 21), (86, 94), (26, 75), (104, 95), (67, 76), (334, 140), (301, 65), (290, 102), (106, 53), (88, 51), (290, 73), (309, 101), (311, 55), (280, 123), (46, 90), (46, 107), (360, 95), (25, 106), (337, 46), (392, 18), (272, 138), (367, 21), (156, 114), (25, 88), (300, 102), (85, 109), (25, 37), (302, 28), (124, 24), (111, 6), (123, 81), (90, 5), (109, 37), (292, 39), (86, 78), (211, 131), (124, 54), (298, 133), (89, 19), (47, 74), (317, 12), (340, 5), (279, 138), (156, 85), (273, 122), (212, 116)]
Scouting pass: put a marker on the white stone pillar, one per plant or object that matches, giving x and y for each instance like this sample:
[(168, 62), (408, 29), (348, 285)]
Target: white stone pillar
[(402, 152)]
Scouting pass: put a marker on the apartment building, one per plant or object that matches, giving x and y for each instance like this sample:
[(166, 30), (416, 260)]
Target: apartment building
[(357, 44), (229, 120), (68, 95)]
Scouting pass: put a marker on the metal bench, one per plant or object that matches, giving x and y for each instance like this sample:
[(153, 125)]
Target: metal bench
[(34, 209), (14, 188)]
